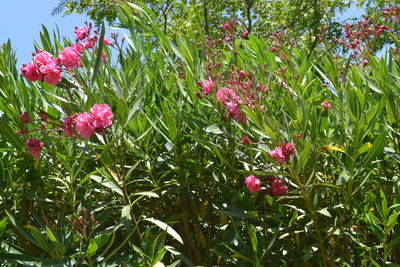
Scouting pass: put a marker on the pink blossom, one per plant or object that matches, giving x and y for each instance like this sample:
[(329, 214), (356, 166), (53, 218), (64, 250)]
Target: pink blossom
[(90, 42), (253, 184), (77, 47), (277, 154), (85, 125), (43, 58), (282, 153), (97, 120), (225, 95), (235, 112), (31, 72), (25, 117), (71, 57), (81, 33), (288, 149), (326, 105), (52, 73), (34, 147), (106, 41), (277, 188), (208, 87), (102, 115), (87, 44), (68, 124)]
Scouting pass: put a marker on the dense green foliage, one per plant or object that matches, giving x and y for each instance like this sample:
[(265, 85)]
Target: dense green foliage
[(203, 17), (166, 181)]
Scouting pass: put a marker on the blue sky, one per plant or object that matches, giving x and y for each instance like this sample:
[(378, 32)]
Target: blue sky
[(21, 23)]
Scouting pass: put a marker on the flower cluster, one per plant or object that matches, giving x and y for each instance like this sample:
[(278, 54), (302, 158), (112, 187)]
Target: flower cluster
[(240, 90), (208, 86), (228, 98), (83, 223), (253, 184), (45, 67), (99, 118), (326, 105), (358, 36), (34, 147), (277, 187), (282, 153), (85, 124)]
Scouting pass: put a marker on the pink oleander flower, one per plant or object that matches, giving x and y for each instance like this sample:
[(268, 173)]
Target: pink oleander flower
[(282, 153), (85, 125), (208, 87), (99, 118), (31, 72), (87, 44), (225, 95), (235, 112), (277, 188), (81, 33), (326, 105), (106, 41), (90, 42), (102, 115), (253, 184), (69, 124), (52, 73), (277, 154), (77, 47), (34, 147), (288, 149), (25, 117), (43, 58), (70, 57)]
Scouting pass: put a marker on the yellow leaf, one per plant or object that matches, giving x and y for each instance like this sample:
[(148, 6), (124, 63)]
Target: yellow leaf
[(334, 148)]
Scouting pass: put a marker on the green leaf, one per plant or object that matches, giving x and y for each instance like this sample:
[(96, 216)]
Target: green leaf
[(43, 243), (99, 52), (102, 239), (374, 150), (167, 228), (126, 213), (392, 221), (3, 226), (214, 129), (147, 194), (92, 248), (325, 212), (50, 235), (8, 133)]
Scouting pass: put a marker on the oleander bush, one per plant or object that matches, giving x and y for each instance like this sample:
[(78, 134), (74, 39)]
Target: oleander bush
[(139, 150)]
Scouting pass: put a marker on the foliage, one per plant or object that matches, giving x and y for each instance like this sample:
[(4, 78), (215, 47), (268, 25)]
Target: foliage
[(203, 17), (166, 182)]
